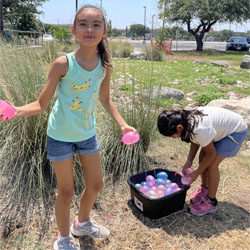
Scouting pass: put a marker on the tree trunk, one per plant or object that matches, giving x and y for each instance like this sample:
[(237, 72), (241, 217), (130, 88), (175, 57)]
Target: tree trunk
[(199, 42)]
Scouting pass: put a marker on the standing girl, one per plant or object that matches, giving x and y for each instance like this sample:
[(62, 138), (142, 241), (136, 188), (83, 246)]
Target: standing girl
[(220, 134), (80, 76)]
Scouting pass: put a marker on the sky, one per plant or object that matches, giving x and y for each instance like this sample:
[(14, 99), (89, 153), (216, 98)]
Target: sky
[(122, 13)]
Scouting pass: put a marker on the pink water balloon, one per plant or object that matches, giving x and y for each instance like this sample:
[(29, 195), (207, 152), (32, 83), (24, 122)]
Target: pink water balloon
[(6, 110), (188, 171), (130, 138), (186, 180), (144, 189)]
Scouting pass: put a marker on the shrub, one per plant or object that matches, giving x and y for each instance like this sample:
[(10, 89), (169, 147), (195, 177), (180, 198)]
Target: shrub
[(122, 49), (227, 81), (204, 98), (154, 53)]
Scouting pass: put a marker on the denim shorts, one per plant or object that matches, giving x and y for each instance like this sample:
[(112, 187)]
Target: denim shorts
[(231, 144), (62, 151)]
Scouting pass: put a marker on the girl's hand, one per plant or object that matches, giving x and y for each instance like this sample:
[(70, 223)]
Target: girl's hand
[(188, 164), (194, 175), (127, 128)]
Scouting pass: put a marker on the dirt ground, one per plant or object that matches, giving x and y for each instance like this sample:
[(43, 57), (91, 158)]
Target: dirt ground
[(228, 228)]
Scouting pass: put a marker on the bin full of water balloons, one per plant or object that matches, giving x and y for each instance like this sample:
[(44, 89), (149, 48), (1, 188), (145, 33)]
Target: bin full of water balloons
[(157, 193)]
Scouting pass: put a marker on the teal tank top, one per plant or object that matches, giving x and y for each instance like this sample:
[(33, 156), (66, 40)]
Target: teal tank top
[(72, 118)]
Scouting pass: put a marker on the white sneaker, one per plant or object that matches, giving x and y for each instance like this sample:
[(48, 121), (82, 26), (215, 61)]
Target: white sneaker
[(91, 229), (66, 244)]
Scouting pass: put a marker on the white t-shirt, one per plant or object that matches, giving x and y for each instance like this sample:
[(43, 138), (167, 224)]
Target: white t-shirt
[(216, 124)]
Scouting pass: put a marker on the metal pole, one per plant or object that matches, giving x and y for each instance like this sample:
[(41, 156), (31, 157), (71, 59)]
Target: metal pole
[(76, 5), (144, 23), (163, 23), (152, 32), (101, 4), (1, 15)]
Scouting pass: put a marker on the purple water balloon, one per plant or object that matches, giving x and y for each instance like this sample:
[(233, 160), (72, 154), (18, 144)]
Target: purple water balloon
[(173, 185), (169, 190), (150, 180)]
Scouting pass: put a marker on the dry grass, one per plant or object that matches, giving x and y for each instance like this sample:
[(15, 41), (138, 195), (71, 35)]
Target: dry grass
[(229, 228)]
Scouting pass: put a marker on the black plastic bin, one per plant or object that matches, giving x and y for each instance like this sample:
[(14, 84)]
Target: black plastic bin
[(157, 208)]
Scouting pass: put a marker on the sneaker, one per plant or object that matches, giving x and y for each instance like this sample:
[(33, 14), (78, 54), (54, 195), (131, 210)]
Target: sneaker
[(91, 229), (205, 206), (198, 194), (66, 244)]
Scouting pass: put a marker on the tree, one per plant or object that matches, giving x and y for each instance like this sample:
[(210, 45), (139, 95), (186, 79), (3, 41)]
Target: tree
[(18, 12), (201, 15), (27, 22), (138, 29), (61, 33)]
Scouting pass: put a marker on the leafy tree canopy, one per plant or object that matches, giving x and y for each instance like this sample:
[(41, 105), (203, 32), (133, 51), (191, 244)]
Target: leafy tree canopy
[(201, 15), (18, 12), (138, 29), (61, 33)]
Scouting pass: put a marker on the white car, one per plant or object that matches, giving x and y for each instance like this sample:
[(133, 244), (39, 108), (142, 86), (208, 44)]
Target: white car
[(48, 37)]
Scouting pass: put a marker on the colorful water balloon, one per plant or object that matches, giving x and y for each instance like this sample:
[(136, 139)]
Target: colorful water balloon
[(177, 189), (130, 138), (6, 110), (168, 182), (159, 182), (138, 186), (173, 185), (186, 180), (188, 171), (169, 190), (144, 189), (160, 193), (161, 187), (162, 175), (152, 194), (150, 180)]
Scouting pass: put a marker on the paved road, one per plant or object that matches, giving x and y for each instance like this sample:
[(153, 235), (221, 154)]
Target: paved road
[(177, 45)]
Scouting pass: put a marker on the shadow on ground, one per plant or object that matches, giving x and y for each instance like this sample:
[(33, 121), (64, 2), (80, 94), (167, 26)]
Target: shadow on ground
[(228, 217)]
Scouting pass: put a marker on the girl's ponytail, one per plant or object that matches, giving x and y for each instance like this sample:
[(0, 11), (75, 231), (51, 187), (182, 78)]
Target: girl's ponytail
[(105, 54)]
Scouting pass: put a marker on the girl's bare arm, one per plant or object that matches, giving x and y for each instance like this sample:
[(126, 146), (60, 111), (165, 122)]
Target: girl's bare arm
[(108, 104)]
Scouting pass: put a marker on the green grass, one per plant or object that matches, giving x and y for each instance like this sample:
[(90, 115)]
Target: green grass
[(232, 56), (185, 75)]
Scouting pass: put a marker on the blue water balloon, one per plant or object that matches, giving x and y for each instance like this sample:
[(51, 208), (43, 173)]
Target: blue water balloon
[(162, 175)]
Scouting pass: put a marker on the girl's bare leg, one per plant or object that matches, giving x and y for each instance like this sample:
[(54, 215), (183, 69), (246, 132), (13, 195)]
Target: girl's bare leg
[(92, 170), (204, 180), (213, 175), (65, 182)]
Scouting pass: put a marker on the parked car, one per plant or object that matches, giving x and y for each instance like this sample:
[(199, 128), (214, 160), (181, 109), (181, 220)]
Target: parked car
[(48, 37), (248, 39), (237, 43)]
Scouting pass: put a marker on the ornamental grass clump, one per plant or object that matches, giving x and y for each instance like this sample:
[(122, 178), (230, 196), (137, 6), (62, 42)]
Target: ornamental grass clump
[(25, 171)]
